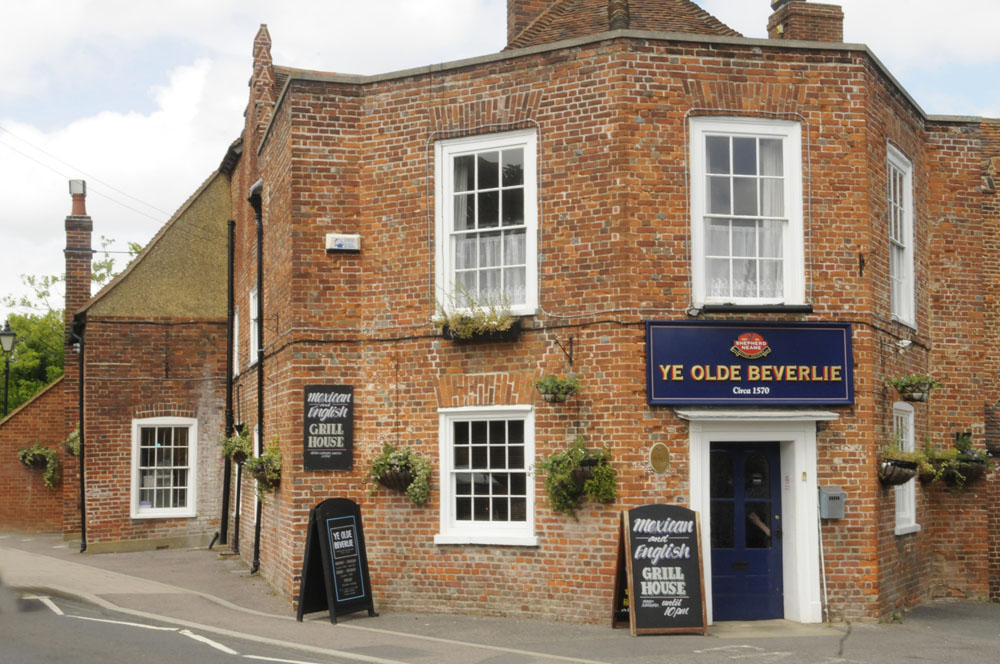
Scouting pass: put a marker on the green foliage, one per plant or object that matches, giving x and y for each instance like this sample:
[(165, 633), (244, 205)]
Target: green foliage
[(237, 447), (467, 316), (266, 469), (405, 460), (954, 465), (565, 477), (72, 442), (37, 357), (913, 383), (556, 388), (38, 456)]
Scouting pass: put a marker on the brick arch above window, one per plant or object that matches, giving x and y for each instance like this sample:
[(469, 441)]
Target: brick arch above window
[(492, 389), (164, 410)]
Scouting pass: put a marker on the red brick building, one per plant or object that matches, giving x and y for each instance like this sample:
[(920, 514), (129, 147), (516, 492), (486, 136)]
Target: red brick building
[(624, 163), (150, 352)]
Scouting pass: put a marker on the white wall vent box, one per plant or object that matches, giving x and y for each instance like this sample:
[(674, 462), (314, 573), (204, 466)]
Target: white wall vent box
[(341, 243)]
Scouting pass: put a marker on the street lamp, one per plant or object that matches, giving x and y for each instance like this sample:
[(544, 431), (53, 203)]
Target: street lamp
[(7, 337)]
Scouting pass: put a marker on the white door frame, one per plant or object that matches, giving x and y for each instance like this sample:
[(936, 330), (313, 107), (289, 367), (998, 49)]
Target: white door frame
[(795, 432)]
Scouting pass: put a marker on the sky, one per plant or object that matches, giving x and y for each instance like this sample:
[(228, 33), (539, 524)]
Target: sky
[(142, 99)]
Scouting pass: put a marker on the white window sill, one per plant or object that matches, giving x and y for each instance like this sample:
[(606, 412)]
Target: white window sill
[(165, 514), (912, 324), (906, 530), (491, 539)]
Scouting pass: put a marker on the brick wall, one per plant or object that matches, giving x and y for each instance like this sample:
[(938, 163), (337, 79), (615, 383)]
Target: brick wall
[(137, 369), (614, 239), (27, 503)]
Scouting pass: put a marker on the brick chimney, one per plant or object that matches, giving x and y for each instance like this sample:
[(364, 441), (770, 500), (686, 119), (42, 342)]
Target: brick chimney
[(521, 14), (805, 21), (78, 254)]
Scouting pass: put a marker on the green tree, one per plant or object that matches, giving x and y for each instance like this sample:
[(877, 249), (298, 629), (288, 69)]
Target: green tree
[(37, 357)]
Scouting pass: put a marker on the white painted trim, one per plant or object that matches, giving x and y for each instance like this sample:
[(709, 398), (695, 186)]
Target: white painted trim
[(444, 151), (192, 488), (498, 534), (796, 437), (794, 236)]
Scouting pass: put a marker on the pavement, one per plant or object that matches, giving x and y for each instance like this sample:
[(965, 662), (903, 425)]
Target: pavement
[(214, 593)]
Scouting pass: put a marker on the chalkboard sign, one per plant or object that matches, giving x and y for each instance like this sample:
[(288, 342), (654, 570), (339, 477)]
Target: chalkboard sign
[(665, 583), (335, 566), (328, 438)]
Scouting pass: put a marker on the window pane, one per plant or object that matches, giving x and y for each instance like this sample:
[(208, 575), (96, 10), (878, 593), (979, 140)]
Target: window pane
[(500, 509), (513, 207), (518, 509), (478, 433), (718, 195), (481, 509), (463, 484), (464, 169), (758, 525), (489, 209), (771, 238), (745, 278), (722, 525), (513, 247), (745, 156), (745, 196), (772, 278), (772, 198), (489, 170), (465, 252), (461, 457), (515, 456), (465, 212), (162, 437), (721, 465), (479, 456), (463, 509), (717, 237), (180, 478), (489, 249), (771, 157), (514, 286), (181, 456), (515, 432), (180, 498), (180, 436), (147, 436), (717, 154), (744, 238), (490, 285), (718, 277), (757, 477), (513, 167), (518, 484), (498, 457)]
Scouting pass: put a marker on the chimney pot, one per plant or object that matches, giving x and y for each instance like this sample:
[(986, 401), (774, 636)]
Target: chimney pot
[(78, 190)]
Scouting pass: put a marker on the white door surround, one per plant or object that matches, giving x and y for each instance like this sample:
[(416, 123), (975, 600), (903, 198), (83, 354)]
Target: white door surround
[(795, 432)]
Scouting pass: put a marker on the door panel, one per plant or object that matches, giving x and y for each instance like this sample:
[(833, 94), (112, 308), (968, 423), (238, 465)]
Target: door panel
[(746, 531)]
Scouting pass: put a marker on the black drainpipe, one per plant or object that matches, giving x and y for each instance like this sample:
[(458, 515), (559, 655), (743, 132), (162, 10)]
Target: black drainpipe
[(226, 479), (256, 202), (76, 334)]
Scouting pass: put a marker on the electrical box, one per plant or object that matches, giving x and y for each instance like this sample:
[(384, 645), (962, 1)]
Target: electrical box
[(343, 243), (831, 502)]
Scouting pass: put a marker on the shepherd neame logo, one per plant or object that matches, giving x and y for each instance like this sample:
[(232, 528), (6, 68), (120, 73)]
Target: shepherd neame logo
[(750, 346)]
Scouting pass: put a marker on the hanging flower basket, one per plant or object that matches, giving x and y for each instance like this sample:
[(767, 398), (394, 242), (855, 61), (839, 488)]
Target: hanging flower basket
[(396, 480), (893, 472), (959, 474), (914, 387)]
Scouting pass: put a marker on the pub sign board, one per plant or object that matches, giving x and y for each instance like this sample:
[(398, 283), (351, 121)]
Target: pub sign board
[(328, 438), (335, 566), (747, 363), (666, 590)]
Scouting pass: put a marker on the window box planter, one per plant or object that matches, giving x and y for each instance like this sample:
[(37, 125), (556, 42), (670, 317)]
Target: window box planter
[(956, 466), (893, 472), (462, 334)]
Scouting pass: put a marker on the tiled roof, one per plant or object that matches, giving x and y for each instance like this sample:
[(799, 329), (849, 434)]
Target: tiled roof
[(566, 19)]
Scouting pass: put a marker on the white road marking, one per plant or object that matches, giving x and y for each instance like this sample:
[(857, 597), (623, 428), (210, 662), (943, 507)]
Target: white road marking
[(280, 661), (208, 642), (127, 624)]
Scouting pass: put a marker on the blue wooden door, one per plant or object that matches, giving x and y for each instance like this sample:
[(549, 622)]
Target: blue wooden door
[(746, 531)]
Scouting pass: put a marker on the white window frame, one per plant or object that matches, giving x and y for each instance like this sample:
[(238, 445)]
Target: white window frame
[(236, 342), (906, 493), (190, 509), (254, 349), (899, 213), (479, 532), (793, 238), (444, 153)]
